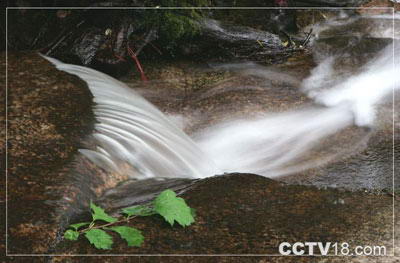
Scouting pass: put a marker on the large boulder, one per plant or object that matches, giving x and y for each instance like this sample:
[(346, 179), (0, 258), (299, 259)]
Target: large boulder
[(49, 114)]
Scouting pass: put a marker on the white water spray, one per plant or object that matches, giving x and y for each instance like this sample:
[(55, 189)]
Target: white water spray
[(275, 145), (272, 145), (134, 137), (361, 92)]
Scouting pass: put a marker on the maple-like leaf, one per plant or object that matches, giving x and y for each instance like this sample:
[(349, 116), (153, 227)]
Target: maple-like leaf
[(173, 208), (99, 238), (99, 214), (132, 235)]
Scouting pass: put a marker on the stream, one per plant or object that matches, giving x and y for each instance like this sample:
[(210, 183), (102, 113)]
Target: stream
[(296, 140), (348, 100)]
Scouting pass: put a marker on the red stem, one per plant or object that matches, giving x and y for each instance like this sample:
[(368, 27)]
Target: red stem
[(138, 65)]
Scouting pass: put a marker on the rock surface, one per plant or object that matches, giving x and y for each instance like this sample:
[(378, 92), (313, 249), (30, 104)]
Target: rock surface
[(49, 112), (236, 214), (250, 214)]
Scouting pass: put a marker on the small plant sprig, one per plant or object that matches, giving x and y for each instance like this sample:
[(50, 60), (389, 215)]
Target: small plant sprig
[(166, 204)]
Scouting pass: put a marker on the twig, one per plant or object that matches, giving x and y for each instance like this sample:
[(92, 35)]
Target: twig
[(155, 48), (40, 34), (307, 38), (138, 65), (147, 40), (57, 43), (62, 38), (105, 225)]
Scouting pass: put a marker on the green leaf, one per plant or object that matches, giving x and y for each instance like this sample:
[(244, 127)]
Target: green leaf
[(99, 238), (138, 210), (173, 208), (78, 225), (99, 214), (132, 236), (71, 235)]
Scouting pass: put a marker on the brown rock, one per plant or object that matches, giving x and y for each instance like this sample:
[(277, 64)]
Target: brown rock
[(249, 214), (49, 112), (378, 11)]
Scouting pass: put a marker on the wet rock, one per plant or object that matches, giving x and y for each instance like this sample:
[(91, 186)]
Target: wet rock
[(239, 213), (49, 113), (370, 169), (232, 33), (360, 26), (350, 52), (351, 42), (310, 17), (250, 214), (207, 94), (132, 192), (385, 4), (231, 41)]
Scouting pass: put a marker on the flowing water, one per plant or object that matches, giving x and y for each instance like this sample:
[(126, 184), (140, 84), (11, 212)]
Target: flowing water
[(239, 33), (132, 131), (275, 144), (133, 137)]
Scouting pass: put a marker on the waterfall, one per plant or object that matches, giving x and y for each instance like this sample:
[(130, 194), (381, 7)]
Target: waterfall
[(133, 137)]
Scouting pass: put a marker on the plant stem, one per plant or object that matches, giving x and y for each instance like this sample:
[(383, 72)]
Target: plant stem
[(105, 225)]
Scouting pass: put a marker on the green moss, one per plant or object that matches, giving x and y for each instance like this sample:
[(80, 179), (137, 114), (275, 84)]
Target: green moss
[(173, 25)]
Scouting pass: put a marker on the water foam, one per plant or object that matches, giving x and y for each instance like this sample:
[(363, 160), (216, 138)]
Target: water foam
[(361, 92), (272, 145), (134, 137), (275, 144)]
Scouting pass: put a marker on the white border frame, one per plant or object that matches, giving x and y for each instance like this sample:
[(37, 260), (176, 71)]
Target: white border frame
[(202, 255)]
